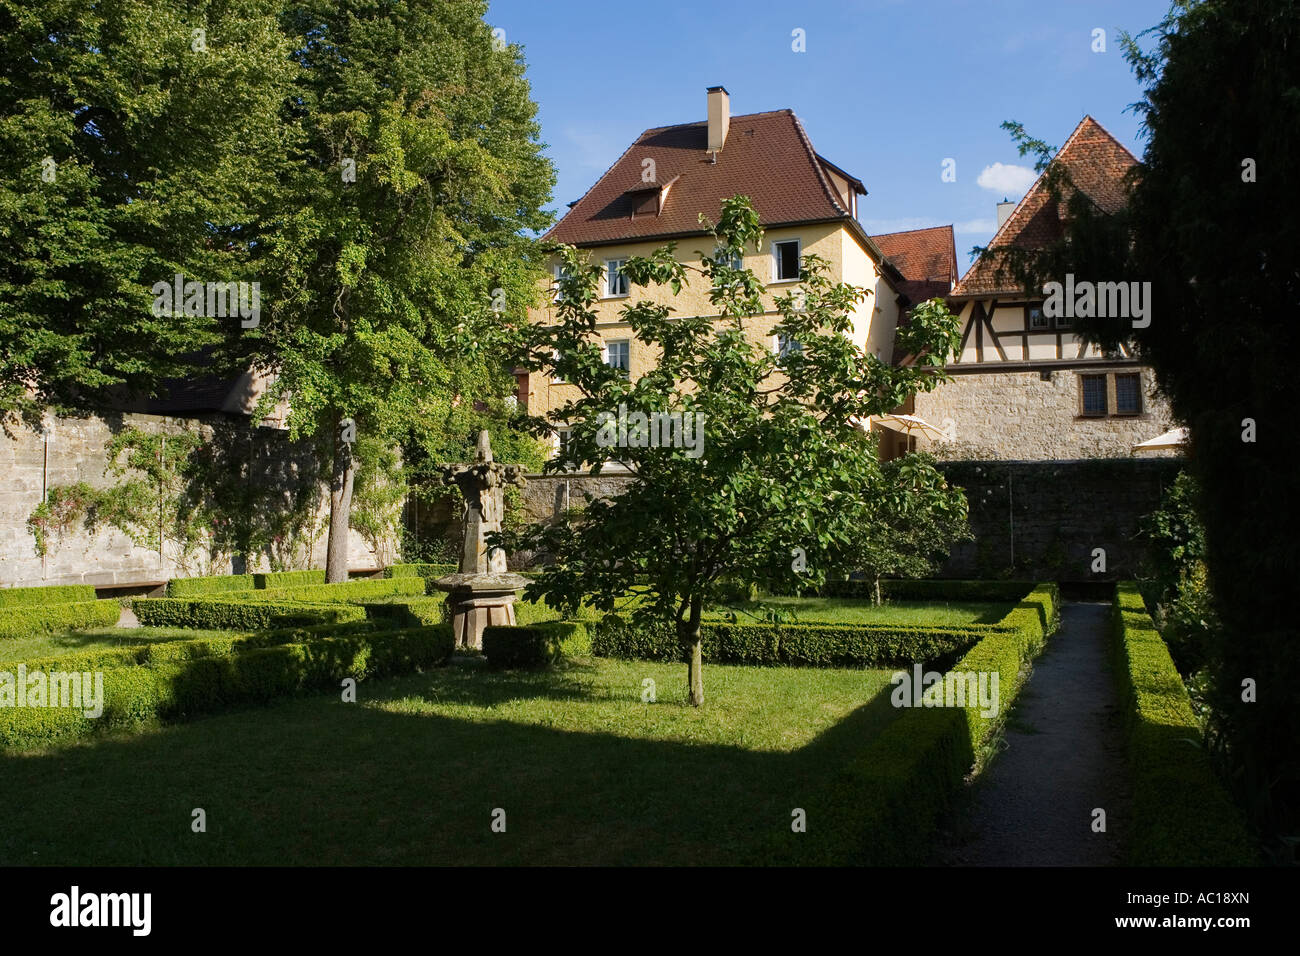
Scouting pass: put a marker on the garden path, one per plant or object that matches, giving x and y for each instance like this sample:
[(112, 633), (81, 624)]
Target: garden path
[(1062, 758)]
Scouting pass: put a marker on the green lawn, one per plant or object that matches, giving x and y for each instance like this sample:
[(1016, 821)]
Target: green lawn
[(586, 772), (848, 611), (14, 649)]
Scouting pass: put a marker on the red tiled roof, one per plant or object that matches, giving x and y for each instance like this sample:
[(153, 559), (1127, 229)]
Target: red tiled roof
[(927, 258), (1096, 162), (767, 157)]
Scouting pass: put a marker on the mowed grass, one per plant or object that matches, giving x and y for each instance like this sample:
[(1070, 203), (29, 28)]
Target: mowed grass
[(586, 772), (809, 610), (17, 649)]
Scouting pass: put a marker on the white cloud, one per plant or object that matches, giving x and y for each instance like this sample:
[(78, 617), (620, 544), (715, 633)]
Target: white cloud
[(1009, 180), (975, 225)]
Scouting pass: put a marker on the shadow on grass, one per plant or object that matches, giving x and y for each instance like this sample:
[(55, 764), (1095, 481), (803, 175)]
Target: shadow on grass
[(318, 781)]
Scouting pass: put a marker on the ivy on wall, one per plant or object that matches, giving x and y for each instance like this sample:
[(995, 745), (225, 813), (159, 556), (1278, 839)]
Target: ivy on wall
[(204, 497)]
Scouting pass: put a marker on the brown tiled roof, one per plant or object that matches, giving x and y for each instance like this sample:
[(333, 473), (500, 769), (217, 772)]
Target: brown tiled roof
[(927, 258), (767, 157), (1096, 162)]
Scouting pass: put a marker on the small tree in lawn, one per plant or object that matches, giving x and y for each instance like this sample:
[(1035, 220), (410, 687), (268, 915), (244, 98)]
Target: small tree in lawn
[(766, 470), (912, 526)]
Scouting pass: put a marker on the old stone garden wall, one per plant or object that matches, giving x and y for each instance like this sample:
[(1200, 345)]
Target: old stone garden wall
[(75, 452), (1043, 520), (1031, 519)]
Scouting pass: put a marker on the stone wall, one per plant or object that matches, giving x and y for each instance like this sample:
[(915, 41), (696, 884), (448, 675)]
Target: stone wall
[(1031, 519), (75, 451), (1043, 520), (545, 496), (1035, 415)]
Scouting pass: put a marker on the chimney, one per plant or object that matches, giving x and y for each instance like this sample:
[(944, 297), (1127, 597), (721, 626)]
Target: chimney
[(719, 118), (1004, 210)]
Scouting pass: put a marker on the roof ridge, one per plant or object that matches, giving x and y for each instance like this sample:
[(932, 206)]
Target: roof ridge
[(704, 122), (903, 232), (816, 164)]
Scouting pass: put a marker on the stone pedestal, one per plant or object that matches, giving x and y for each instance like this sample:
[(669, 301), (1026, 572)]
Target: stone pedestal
[(478, 601)]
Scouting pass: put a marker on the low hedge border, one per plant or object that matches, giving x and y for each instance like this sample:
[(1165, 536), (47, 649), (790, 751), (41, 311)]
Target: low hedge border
[(811, 645), (427, 571), (929, 590), (186, 648), (1182, 815), (198, 587), (888, 801), (409, 611), (288, 579), (180, 688), (32, 619), (535, 645), (240, 615), (328, 593), (54, 594)]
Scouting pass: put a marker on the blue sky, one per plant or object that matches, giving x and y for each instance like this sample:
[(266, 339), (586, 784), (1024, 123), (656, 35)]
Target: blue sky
[(887, 89)]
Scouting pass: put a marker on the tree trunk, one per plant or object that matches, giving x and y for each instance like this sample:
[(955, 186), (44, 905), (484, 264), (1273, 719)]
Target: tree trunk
[(695, 668), (336, 554), (878, 602)]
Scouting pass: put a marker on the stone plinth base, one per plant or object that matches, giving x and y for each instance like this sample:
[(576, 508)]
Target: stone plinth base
[(479, 601)]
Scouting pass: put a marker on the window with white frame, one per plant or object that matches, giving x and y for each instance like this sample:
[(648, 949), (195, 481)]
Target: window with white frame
[(557, 273), (556, 377), (563, 444), (615, 278), (785, 260), (618, 355), (784, 346), (736, 262)]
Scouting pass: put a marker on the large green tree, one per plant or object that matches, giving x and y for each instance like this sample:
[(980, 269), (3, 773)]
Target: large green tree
[(1207, 224), (770, 473), (137, 140), (399, 256)]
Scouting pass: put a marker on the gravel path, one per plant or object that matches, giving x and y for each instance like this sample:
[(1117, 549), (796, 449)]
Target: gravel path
[(1033, 805)]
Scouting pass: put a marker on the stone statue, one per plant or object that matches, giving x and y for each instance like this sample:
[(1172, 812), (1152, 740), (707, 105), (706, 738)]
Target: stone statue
[(484, 591)]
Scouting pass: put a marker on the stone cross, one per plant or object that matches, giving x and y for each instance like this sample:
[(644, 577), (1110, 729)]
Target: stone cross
[(483, 593), (483, 485)]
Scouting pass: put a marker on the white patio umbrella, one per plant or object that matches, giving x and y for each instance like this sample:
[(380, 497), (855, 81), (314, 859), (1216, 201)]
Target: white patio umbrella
[(911, 425), (1174, 438)]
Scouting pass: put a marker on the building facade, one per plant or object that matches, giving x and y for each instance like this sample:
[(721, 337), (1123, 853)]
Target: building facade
[(1025, 386), (656, 192)]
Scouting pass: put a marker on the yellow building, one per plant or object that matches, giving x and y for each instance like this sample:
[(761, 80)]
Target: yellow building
[(656, 192)]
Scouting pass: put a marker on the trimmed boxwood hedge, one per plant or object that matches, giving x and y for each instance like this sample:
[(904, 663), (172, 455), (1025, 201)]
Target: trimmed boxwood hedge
[(26, 621), (409, 611), (929, 590), (426, 571), (532, 646), (54, 594), (183, 686), (883, 807), (343, 591), (288, 579), (817, 645), (103, 658), (1182, 814), (238, 615), (219, 584)]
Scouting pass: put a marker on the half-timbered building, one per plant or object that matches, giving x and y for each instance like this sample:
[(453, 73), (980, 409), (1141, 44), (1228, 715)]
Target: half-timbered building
[(1024, 385)]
